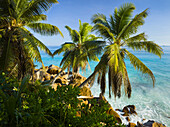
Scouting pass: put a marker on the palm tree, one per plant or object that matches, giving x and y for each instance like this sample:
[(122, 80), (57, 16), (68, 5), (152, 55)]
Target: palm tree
[(18, 47), (84, 47), (119, 32)]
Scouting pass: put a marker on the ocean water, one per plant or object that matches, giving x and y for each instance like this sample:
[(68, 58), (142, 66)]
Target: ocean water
[(151, 103)]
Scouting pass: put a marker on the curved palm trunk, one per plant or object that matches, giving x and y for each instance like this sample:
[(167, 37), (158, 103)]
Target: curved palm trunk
[(88, 79), (21, 62)]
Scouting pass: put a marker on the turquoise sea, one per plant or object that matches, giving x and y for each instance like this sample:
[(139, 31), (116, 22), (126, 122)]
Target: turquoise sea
[(151, 103)]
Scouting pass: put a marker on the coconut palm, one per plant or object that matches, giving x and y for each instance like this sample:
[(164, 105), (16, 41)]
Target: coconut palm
[(121, 30), (84, 47), (18, 47)]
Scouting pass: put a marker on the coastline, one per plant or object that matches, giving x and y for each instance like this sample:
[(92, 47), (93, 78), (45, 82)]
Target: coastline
[(127, 115), (149, 103)]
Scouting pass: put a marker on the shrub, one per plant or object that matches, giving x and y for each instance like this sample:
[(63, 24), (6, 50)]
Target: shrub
[(33, 104)]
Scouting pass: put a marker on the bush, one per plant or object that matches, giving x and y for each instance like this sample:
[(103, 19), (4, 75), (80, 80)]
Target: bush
[(33, 104)]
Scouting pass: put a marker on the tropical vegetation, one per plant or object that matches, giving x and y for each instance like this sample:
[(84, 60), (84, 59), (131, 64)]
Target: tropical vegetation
[(84, 48), (121, 32), (27, 103), (23, 104), (18, 46)]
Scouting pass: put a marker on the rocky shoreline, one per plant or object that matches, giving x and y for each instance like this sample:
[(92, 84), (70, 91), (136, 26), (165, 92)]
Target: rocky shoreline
[(49, 73)]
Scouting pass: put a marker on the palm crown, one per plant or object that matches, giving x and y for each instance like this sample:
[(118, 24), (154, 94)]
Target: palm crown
[(18, 47), (84, 47), (119, 32)]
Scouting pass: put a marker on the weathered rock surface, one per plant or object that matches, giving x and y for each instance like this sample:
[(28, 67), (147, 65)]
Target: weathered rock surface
[(129, 109), (128, 119), (49, 73), (152, 123), (85, 91), (132, 125), (54, 70), (55, 85), (115, 114), (76, 80), (47, 76), (111, 110)]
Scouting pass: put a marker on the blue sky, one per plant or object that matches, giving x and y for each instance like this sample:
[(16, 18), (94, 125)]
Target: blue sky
[(68, 12)]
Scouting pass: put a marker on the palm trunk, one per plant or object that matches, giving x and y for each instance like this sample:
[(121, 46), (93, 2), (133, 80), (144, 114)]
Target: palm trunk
[(86, 81)]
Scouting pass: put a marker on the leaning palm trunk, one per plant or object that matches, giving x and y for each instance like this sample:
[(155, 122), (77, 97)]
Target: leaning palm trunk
[(89, 80), (118, 30)]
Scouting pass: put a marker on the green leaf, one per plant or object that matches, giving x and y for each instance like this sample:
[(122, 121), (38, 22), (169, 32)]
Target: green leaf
[(45, 29), (140, 65)]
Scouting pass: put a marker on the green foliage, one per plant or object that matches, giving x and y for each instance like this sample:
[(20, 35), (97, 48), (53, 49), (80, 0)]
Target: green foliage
[(18, 47), (85, 47), (118, 31), (23, 104)]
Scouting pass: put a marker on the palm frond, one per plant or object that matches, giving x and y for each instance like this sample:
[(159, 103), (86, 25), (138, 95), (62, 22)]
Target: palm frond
[(75, 36), (45, 29), (127, 85), (65, 57), (140, 65), (148, 46), (42, 46), (139, 37), (103, 82), (35, 18), (133, 25), (36, 7), (92, 37), (30, 45), (104, 31), (67, 46), (101, 19), (122, 16)]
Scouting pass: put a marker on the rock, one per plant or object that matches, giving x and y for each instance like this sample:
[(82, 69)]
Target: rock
[(152, 123), (53, 70), (131, 106), (61, 80), (125, 109), (39, 75), (47, 76), (55, 85), (139, 124), (44, 69), (76, 80), (65, 76), (35, 70), (117, 110), (51, 66), (110, 111), (155, 124), (128, 119), (125, 114), (58, 81), (86, 102), (130, 109), (132, 125), (85, 91), (115, 114), (52, 77)]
